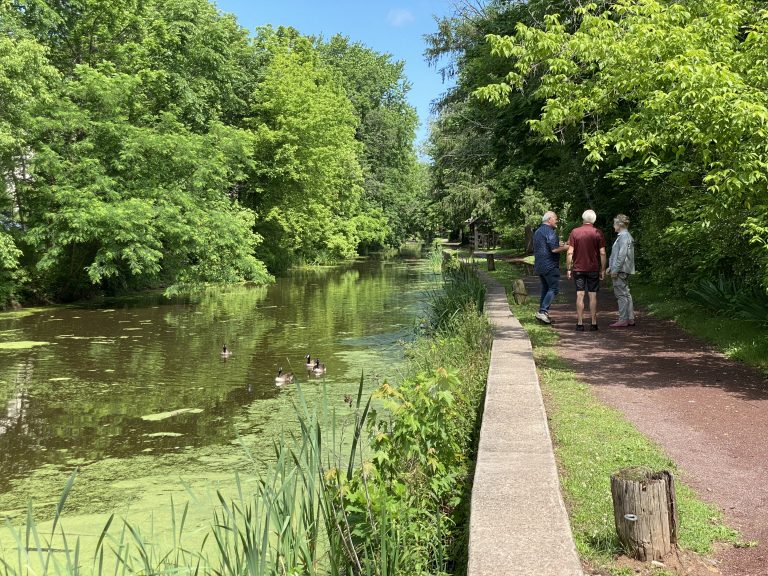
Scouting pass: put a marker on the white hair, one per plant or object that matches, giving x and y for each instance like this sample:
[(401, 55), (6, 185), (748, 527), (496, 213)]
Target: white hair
[(589, 216), (548, 215)]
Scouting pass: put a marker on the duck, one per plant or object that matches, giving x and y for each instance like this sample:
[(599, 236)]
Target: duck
[(283, 377), (309, 364), (225, 352), (318, 368)]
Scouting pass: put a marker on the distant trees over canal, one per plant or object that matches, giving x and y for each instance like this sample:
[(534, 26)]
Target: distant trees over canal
[(158, 143)]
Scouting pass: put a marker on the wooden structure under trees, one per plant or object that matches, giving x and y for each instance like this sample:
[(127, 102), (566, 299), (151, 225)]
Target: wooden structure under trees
[(645, 512), (481, 235)]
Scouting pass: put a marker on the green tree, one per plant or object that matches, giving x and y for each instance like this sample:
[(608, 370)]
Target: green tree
[(308, 184), (377, 88), (665, 95)]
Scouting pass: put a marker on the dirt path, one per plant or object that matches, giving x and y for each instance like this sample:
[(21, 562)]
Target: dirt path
[(709, 413)]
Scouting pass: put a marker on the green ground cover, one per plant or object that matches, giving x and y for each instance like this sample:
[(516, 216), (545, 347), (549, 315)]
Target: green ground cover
[(736, 338), (591, 442)]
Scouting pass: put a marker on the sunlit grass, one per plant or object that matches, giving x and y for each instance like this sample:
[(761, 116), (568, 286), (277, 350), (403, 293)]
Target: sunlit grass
[(592, 441)]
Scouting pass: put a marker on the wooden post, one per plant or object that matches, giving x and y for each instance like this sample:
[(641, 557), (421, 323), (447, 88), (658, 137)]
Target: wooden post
[(645, 511), (491, 263), (519, 292)]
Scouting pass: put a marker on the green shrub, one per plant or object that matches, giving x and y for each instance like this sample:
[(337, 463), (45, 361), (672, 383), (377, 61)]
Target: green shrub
[(732, 296)]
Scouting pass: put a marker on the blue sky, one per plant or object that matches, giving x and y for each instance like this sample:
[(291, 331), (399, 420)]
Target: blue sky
[(391, 27)]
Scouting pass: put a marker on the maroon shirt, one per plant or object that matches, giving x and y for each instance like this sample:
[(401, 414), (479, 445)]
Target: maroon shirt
[(586, 241)]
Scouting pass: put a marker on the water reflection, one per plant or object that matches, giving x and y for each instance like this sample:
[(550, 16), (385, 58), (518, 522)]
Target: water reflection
[(86, 395)]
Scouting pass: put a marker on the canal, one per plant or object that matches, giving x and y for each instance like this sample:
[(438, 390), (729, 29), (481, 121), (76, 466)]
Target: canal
[(134, 395)]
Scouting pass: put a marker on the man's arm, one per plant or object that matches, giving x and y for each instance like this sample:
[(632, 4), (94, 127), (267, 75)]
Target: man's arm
[(569, 260), (602, 263)]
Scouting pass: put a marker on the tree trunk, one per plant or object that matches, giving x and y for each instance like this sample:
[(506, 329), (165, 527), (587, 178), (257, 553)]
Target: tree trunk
[(645, 511), (529, 240)]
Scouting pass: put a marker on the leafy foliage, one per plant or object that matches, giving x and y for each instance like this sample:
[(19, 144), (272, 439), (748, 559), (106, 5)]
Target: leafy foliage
[(665, 97), (156, 144)]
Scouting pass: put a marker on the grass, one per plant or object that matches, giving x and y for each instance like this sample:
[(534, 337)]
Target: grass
[(592, 441), (737, 339)]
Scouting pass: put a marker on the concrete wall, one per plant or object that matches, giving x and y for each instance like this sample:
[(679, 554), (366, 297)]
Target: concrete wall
[(518, 523)]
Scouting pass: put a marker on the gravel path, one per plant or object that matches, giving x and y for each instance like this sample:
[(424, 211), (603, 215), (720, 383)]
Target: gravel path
[(708, 412)]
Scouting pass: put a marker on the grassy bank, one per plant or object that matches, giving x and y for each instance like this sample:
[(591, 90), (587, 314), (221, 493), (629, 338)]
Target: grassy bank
[(591, 442), (736, 338)]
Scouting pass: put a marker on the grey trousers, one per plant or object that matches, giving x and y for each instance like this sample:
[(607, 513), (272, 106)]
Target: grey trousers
[(621, 290)]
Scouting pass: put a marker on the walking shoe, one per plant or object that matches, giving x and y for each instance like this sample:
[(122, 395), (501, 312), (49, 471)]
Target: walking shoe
[(620, 324), (592, 327), (579, 327), (631, 322), (543, 317)]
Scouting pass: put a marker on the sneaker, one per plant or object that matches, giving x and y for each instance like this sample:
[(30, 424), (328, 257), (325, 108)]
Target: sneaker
[(579, 327), (619, 324), (592, 327), (631, 322), (543, 317)]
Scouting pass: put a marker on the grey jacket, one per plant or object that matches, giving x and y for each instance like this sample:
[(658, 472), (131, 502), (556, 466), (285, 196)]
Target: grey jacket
[(623, 254)]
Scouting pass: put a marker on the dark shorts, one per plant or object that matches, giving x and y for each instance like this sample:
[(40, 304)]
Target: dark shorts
[(589, 281)]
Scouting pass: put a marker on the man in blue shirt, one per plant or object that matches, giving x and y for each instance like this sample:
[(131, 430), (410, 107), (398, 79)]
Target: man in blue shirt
[(546, 253)]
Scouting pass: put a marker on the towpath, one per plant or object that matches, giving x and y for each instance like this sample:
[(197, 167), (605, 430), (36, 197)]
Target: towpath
[(708, 412)]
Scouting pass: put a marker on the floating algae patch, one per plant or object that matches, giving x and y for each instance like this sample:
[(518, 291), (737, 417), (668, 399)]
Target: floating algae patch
[(171, 414), (164, 435), (59, 379), (21, 345), (23, 313)]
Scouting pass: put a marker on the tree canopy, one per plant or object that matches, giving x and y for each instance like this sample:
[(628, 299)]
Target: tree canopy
[(653, 108), (158, 143)]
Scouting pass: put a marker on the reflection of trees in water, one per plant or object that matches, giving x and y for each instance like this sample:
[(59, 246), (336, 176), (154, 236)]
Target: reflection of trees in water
[(133, 360)]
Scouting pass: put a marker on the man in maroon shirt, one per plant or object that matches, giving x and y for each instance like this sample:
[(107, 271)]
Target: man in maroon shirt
[(586, 262)]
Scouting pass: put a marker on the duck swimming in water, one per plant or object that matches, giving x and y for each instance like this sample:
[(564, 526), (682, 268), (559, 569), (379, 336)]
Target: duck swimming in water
[(283, 377), (309, 364), (318, 368), (225, 352)]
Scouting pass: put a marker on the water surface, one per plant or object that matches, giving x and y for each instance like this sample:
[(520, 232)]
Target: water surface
[(89, 394)]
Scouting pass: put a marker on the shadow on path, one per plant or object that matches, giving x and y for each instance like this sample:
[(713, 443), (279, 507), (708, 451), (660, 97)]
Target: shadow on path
[(708, 412)]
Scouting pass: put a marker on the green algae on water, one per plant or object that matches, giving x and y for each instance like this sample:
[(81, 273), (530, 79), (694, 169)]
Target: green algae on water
[(21, 345), (171, 414)]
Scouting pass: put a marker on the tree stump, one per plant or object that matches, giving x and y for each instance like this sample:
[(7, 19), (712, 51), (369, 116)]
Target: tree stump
[(491, 262), (645, 511), (519, 292)]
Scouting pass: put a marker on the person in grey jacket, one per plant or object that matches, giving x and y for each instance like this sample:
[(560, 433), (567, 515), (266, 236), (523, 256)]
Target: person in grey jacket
[(620, 266)]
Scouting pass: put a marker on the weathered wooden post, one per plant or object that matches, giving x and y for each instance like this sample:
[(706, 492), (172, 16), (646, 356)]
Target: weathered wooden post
[(645, 511), (519, 292), (491, 263)]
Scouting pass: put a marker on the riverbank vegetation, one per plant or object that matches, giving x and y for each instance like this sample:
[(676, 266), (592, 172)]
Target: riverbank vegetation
[(158, 144), (650, 108), (586, 431), (388, 495)]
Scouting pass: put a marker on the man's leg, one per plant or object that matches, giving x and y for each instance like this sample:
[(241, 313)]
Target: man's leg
[(593, 307), (544, 290), (552, 280), (580, 307)]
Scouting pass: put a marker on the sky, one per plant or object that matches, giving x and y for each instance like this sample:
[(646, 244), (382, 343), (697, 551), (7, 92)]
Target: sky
[(387, 26)]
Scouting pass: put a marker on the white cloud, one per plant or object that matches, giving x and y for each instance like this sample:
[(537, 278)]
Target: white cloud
[(400, 17)]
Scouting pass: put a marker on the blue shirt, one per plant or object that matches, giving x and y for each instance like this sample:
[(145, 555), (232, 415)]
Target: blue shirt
[(544, 241)]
